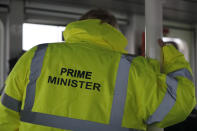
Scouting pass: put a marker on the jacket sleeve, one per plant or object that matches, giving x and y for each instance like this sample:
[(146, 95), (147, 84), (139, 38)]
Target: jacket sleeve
[(12, 95), (175, 82)]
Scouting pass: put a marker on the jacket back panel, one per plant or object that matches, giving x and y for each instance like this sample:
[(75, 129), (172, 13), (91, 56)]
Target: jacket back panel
[(77, 81)]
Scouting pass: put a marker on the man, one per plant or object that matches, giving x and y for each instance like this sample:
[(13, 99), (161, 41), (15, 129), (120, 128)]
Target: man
[(90, 83)]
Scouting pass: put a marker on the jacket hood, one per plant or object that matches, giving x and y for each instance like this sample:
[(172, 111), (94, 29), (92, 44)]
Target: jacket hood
[(95, 32)]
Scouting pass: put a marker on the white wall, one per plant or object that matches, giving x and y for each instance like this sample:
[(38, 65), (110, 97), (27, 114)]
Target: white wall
[(133, 33)]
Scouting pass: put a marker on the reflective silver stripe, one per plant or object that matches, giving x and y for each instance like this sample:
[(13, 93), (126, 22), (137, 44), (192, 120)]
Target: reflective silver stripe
[(35, 70), (117, 110), (10, 102), (167, 103), (170, 96), (120, 90), (66, 123), (182, 72)]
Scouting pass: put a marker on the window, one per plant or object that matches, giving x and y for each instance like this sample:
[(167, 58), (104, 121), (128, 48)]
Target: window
[(34, 34), (181, 45)]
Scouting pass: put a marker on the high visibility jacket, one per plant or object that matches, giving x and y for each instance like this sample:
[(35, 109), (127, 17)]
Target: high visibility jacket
[(90, 83)]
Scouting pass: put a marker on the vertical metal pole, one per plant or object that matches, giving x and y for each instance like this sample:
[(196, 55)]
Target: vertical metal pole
[(153, 29), (2, 54), (195, 61), (16, 18)]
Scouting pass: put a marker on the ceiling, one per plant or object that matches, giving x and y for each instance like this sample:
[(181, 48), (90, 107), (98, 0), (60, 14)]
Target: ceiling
[(177, 10)]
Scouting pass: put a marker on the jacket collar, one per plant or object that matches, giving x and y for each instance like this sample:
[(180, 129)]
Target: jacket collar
[(94, 32)]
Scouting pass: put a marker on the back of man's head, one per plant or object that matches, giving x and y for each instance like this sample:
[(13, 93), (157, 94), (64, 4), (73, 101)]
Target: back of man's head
[(101, 14)]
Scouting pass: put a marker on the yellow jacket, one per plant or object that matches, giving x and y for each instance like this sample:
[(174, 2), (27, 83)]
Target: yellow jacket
[(91, 83)]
